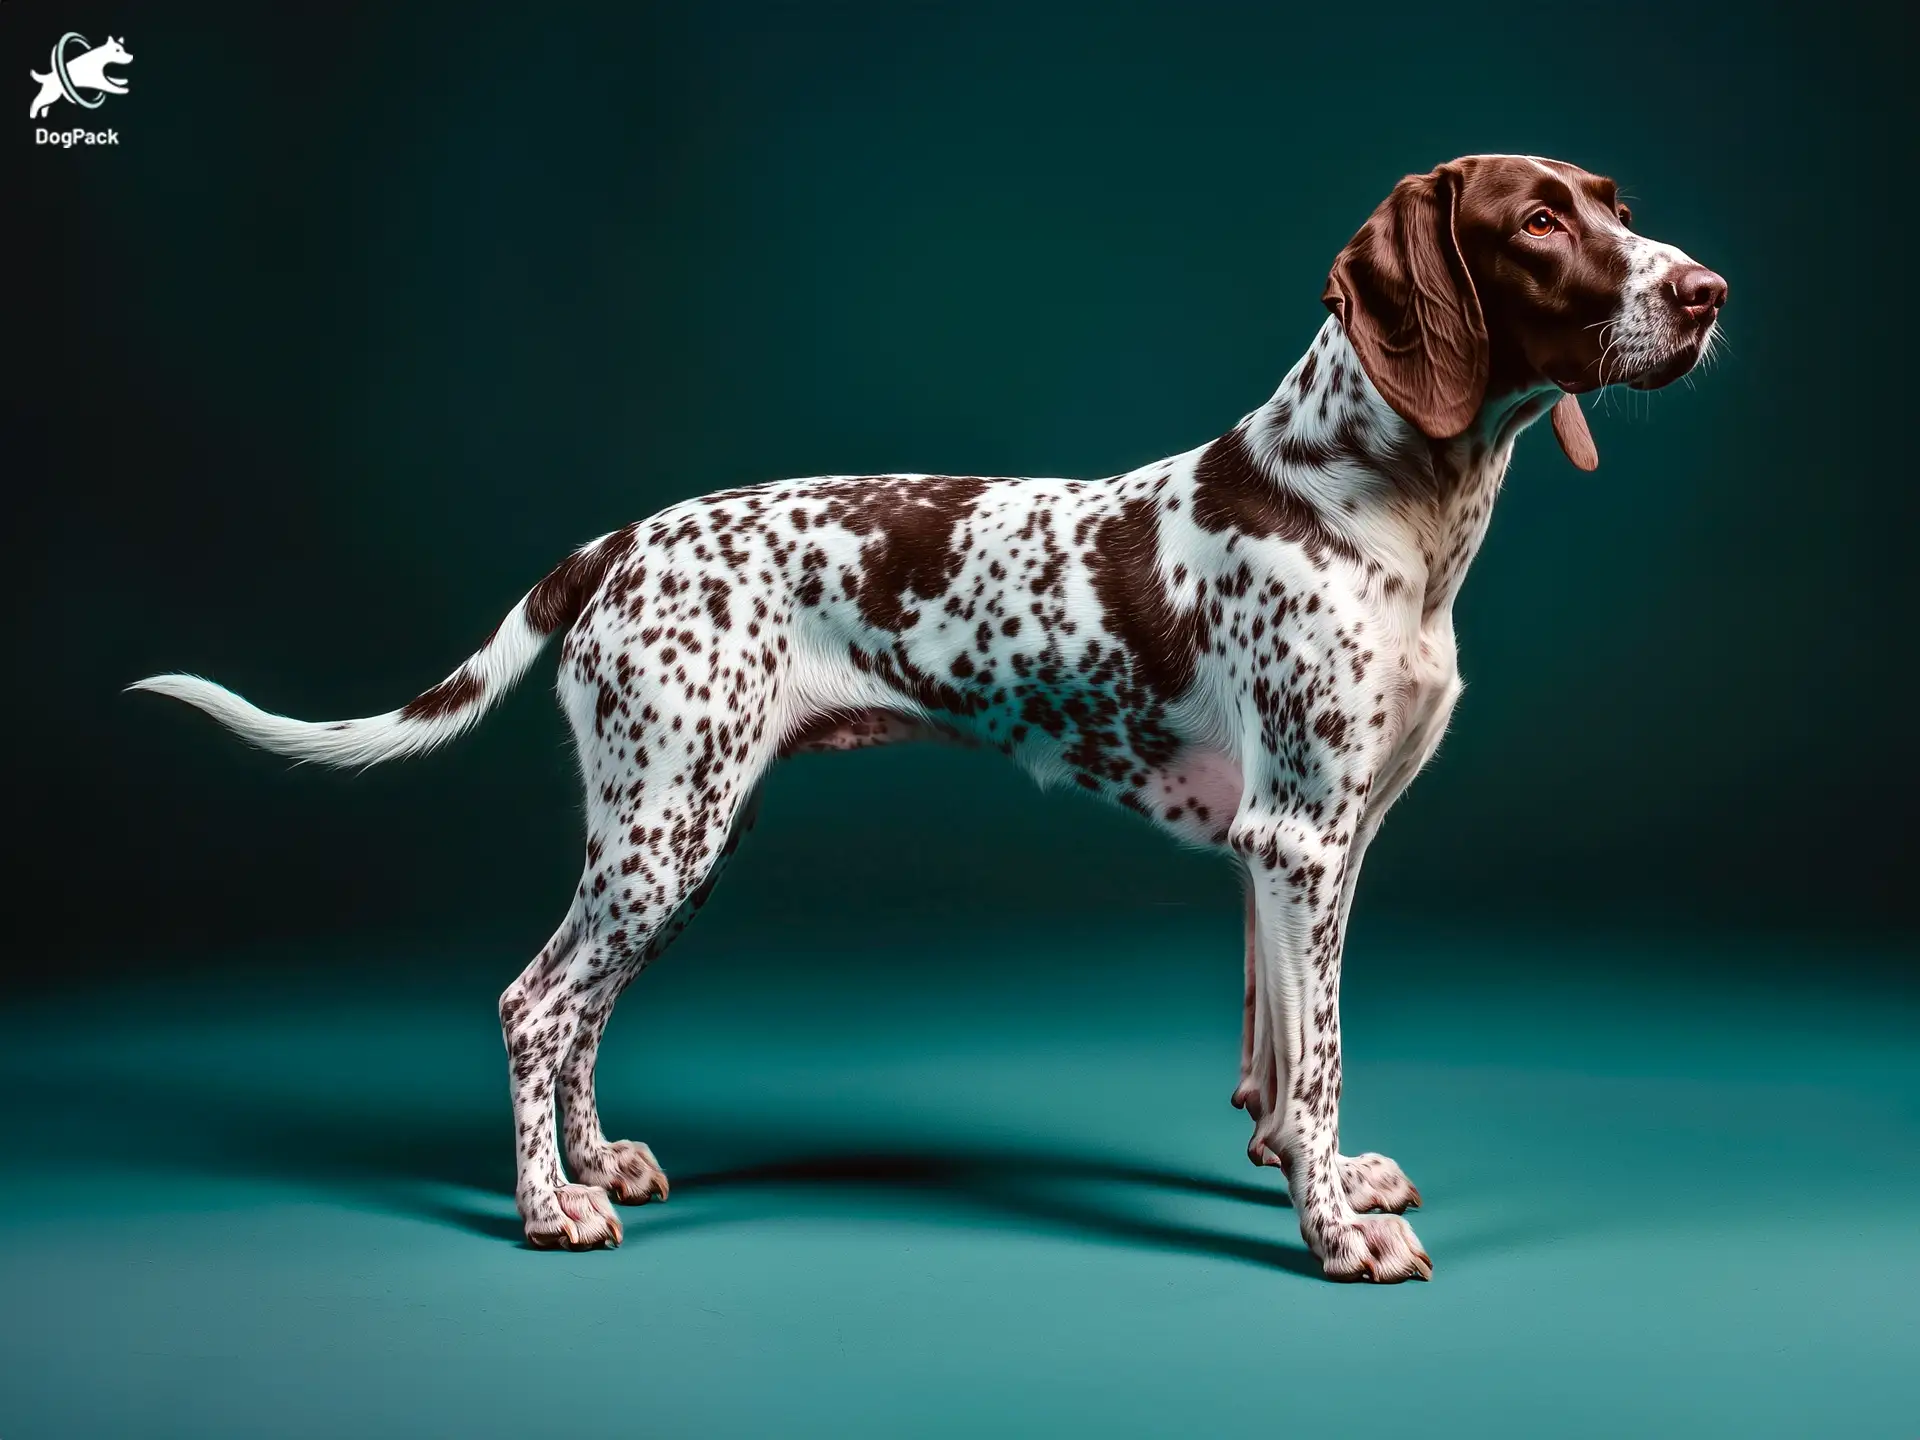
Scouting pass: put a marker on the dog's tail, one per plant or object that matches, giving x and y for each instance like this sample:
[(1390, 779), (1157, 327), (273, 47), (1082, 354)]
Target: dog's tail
[(449, 709)]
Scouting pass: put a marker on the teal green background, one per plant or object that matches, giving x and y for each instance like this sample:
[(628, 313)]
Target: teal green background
[(939, 1185), (375, 312)]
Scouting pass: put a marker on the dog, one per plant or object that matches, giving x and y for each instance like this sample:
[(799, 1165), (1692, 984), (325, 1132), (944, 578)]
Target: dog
[(1250, 645), (86, 71)]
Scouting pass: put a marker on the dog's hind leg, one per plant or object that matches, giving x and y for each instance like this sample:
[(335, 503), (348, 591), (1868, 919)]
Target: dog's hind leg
[(539, 1015), (674, 724), (626, 1169), (647, 868)]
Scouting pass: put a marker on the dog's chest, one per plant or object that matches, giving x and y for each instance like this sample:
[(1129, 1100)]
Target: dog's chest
[(1428, 652), (1459, 528), (1433, 683)]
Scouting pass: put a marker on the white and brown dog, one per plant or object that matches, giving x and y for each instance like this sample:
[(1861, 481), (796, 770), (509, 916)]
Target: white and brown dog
[(1250, 644)]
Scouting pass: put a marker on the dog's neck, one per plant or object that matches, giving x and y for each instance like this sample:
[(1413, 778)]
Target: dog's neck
[(1419, 507)]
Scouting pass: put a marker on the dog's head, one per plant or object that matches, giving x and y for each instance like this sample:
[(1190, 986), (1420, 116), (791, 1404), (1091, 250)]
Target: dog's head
[(1506, 275), (113, 53)]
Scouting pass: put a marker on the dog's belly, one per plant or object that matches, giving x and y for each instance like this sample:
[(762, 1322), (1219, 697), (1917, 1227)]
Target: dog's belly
[(1192, 797), (1195, 797), (862, 730)]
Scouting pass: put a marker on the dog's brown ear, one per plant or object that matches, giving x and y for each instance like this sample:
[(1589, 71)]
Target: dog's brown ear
[(1570, 429), (1402, 292)]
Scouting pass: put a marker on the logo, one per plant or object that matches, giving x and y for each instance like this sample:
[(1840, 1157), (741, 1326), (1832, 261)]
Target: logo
[(71, 71)]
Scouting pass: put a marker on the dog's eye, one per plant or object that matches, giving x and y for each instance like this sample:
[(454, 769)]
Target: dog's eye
[(1626, 217), (1542, 222)]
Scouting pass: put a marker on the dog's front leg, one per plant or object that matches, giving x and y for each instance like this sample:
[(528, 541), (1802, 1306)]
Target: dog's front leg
[(1373, 1182), (1297, 875)]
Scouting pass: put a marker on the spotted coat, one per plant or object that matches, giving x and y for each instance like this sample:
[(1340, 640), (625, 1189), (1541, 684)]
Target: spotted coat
[(1249, 645)]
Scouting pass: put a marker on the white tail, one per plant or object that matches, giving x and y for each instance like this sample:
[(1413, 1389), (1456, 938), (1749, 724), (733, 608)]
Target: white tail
[(428, 721)]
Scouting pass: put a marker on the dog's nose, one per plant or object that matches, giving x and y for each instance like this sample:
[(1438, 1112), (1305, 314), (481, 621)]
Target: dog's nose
[(1698, 291)]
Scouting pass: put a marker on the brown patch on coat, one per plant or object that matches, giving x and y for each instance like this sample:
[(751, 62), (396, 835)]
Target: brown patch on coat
[(910, 551), (454, 693), (1230, 492), (1162, 644), (558, 600)]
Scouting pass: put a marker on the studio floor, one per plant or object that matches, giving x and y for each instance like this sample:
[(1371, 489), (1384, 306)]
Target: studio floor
[(978, 1185)]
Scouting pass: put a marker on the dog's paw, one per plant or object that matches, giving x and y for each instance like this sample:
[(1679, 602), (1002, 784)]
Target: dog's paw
[(1380, 1248), (626, 1169), (1373, 1182), (574, 1217)]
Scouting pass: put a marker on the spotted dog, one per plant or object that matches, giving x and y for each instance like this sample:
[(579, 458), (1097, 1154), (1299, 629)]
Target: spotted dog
[(1250, 645)]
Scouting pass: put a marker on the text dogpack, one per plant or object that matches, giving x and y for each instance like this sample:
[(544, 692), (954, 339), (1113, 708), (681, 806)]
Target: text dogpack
[(67, 139)]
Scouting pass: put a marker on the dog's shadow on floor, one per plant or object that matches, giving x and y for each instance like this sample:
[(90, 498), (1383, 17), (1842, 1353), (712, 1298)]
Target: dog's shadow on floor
[(400, 1162), (1048, 1190)]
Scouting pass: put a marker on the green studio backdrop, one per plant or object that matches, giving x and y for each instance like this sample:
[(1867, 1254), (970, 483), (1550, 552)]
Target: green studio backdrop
[(375, 312)]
